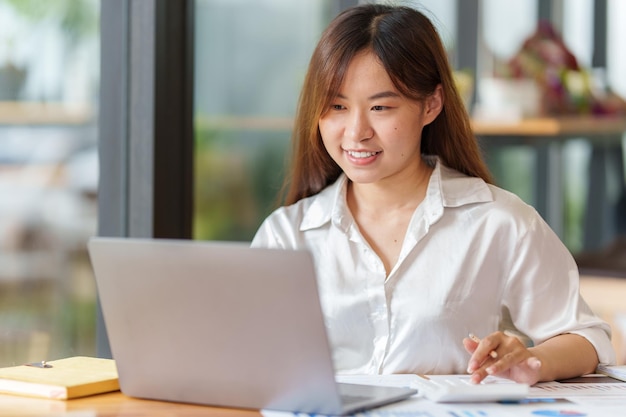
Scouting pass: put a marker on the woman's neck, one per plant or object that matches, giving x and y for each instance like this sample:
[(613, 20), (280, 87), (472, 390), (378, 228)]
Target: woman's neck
[(391, 195)]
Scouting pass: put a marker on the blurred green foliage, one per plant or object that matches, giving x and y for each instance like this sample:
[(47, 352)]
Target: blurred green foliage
[(238, 175), (78, 18)]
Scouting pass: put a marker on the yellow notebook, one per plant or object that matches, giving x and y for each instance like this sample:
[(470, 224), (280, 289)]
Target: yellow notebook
[(62, 379)]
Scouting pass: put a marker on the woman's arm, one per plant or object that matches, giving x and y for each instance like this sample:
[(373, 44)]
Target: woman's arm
[(565, 356)]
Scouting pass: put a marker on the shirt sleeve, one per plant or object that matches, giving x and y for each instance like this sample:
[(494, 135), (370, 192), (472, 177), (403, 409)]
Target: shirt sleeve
[(280, 230), (542, 292), (265, 236)]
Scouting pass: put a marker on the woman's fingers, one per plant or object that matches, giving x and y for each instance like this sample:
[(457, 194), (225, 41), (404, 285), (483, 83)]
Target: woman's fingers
[(501, 355)]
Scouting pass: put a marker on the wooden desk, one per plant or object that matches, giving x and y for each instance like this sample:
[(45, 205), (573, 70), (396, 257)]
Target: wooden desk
[(110, 405), (117, 404), (546, 136)]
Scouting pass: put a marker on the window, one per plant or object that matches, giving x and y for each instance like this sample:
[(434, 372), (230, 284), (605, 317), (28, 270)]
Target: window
[(49, 58), (250, 62)]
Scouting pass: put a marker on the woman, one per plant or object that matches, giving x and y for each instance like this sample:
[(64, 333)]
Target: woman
[(414, 247)]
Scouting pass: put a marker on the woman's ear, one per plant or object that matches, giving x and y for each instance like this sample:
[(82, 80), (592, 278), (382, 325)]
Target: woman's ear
[(433, 105)]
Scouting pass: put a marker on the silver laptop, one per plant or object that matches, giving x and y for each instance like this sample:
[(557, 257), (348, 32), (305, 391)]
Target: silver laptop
[(221, 324)]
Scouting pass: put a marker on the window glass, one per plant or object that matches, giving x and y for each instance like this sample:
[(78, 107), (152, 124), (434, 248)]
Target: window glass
[(578, 37), (506, 24), (49, 60), (578, 30), (251, 58), (616, 39), (443, 15)]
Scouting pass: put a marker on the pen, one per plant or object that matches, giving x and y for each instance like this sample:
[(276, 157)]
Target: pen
[(493, 353)]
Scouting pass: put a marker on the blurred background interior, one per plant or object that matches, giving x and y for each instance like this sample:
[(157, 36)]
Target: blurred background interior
[(543, 80)]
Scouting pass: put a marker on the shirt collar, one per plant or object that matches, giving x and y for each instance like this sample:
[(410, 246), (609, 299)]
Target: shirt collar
[(446, 188), (327, 204)]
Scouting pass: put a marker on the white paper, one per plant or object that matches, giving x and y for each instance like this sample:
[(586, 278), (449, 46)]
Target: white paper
[(578, 389), (586, 399)]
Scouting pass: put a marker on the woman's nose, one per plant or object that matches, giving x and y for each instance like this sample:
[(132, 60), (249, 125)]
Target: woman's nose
[(359, 128)]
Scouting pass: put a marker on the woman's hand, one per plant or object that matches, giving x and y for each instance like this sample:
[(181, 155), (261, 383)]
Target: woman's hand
[(511, 359)]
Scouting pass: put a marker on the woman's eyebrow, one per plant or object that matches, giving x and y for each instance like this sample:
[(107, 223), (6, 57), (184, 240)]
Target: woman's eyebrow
[(382, 94)]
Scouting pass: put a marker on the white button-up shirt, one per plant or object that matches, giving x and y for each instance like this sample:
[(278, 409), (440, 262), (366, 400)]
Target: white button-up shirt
[(475, 258)]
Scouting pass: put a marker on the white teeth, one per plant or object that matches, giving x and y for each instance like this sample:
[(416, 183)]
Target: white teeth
[(361, 154)]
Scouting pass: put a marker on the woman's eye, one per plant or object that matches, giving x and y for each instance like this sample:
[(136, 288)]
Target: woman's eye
[(379, 108), (336, 107)]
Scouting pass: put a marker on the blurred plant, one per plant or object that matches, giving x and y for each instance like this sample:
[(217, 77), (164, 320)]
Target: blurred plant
[(566, 87), (464, 82), (236, 181), (78, 18)]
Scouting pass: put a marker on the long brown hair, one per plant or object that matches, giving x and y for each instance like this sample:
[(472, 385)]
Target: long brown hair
[(408, 46)]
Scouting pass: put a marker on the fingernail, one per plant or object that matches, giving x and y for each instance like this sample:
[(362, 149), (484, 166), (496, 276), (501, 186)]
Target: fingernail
[(490, 370)]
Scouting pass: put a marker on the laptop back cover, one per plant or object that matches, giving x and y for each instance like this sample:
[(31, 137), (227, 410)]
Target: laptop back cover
[(215, 323)]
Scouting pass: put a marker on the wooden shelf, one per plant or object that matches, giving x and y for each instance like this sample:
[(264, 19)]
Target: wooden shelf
[(245, 123), (552, 126), (19, 113)]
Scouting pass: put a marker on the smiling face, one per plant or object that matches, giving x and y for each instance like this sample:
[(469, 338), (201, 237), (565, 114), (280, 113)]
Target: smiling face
[(371, 130)]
